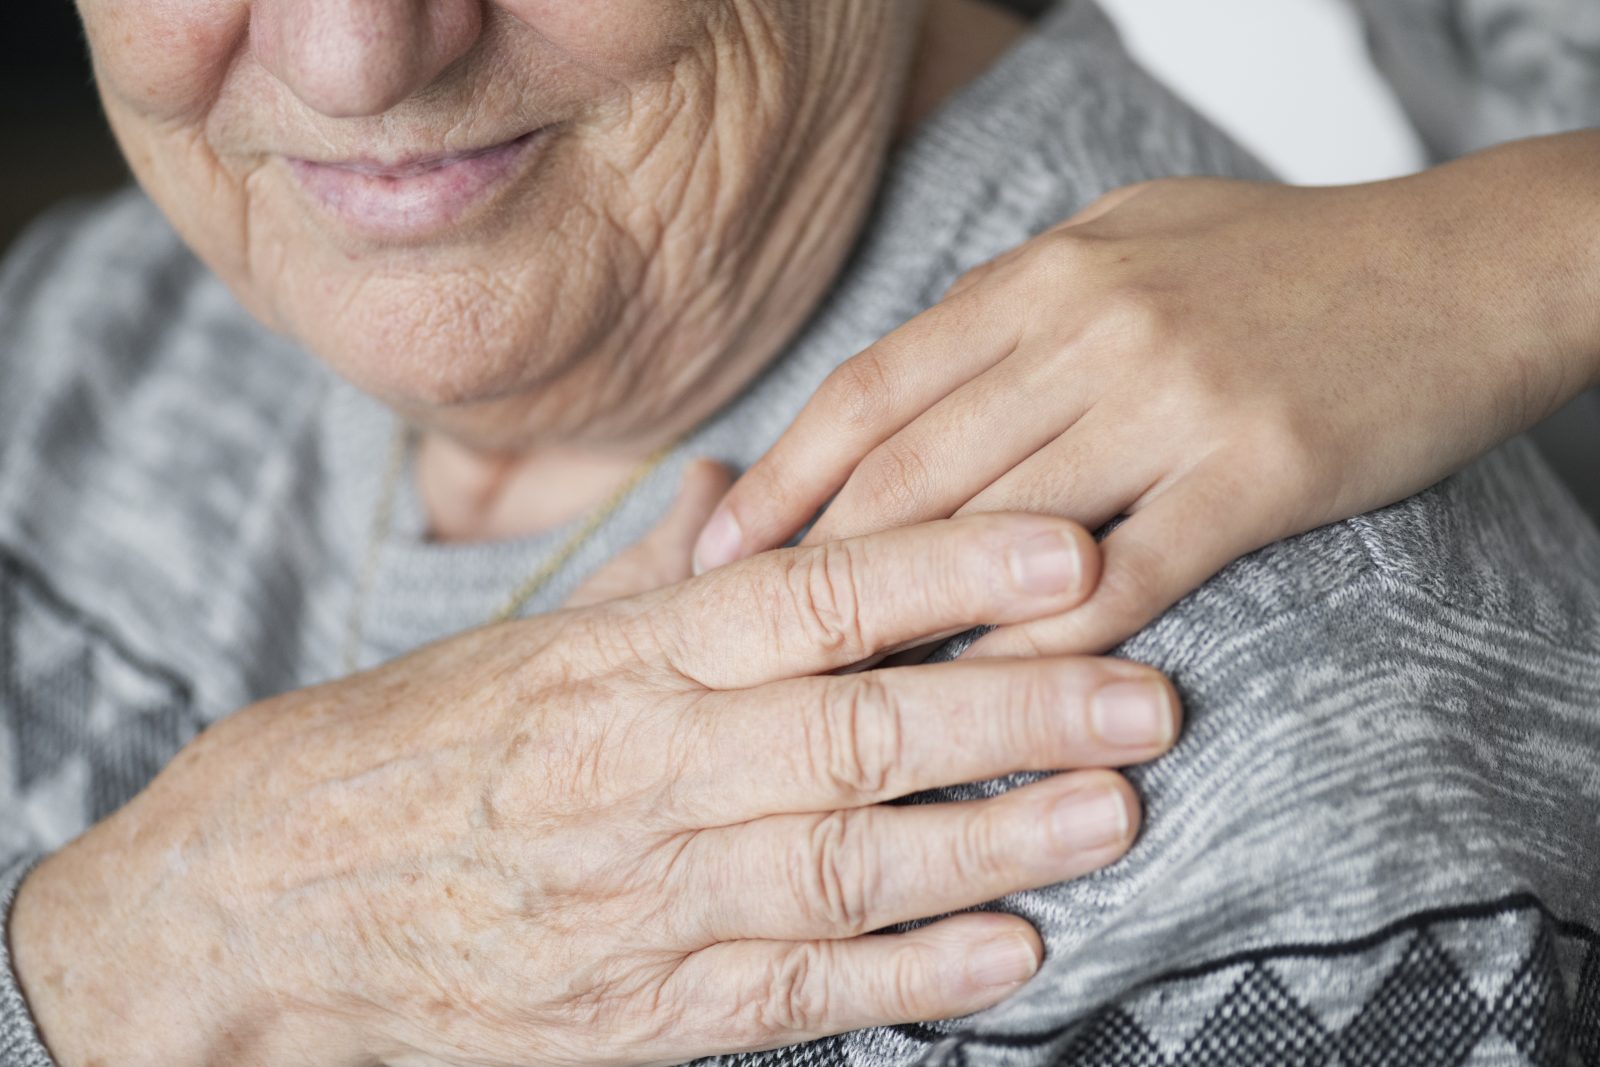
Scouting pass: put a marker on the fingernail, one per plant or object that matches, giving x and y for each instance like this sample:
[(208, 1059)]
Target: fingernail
[(1089, 820), (1003, 961), (1046, 564), (1132, 715), (720, 542)]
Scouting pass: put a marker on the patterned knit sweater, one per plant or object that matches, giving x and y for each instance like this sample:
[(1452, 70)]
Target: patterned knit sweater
[(1378, 841)]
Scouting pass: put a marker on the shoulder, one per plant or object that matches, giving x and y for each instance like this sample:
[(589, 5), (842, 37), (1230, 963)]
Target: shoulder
[(1373, 702), (1495, 557), (1388, 749)]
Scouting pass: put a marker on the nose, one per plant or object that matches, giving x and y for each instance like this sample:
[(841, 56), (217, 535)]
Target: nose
[(347, 58)]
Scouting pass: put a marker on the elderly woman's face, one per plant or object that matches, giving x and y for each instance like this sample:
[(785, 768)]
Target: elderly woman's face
[(462, 204)]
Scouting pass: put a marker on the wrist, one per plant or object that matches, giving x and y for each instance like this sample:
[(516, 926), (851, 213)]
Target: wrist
[(1533, 210), (98, 985), (127, 950), (1570, 166)]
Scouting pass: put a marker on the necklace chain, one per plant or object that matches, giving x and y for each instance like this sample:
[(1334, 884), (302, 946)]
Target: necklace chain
[(525, 590)]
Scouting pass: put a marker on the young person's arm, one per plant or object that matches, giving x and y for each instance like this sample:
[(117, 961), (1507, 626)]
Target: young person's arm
[(1223, 363)]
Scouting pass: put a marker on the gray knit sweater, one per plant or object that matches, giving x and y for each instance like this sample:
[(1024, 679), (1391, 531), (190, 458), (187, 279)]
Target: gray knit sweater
[(1378, 841)]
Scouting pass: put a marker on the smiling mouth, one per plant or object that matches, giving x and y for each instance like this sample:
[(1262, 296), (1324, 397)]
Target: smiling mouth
[(419, 198)]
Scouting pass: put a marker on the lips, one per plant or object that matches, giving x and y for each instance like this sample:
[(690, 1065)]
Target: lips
[(417, 198)]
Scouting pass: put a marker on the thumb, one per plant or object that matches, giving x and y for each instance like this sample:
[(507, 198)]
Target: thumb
[(664, 557)]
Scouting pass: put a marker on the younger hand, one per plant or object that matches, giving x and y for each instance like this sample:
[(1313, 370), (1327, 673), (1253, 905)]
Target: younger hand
[(1225, 363)]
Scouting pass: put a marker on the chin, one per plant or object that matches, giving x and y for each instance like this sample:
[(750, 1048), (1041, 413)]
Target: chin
[(441, 375), (431, 339)]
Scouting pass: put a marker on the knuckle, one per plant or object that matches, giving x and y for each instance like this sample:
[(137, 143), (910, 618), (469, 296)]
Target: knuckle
[(907, 994), (1282, 450), (1132, 590), (767, 486), (1074, 244), (628, 637), (1066, 254), (824, 588), (796, 997), (894, 479), (1135, 318), (1263, 473), (861, 738), (862, 389), (1035, 694), (1200, 393), (838, 877), (978, 853)]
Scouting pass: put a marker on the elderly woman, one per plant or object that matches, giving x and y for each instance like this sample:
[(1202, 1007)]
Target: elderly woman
[(553, 249)]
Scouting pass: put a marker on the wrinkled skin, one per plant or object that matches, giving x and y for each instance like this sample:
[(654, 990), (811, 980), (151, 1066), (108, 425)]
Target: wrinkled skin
[(648, 828), (582, 305), (641, 830), (1225, 363), (630, 833)]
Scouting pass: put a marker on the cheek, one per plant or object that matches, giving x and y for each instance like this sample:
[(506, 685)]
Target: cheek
[(621, 40), (207, 203), (165, 59)]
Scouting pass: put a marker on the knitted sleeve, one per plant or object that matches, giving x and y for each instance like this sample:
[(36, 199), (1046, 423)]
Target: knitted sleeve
[(19, 1039)]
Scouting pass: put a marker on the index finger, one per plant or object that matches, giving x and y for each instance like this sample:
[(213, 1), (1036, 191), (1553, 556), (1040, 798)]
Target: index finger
[(805, 611), (864, 402)]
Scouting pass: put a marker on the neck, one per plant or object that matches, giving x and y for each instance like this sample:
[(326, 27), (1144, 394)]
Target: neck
[(960, 40), (475, 495), (472, 497)]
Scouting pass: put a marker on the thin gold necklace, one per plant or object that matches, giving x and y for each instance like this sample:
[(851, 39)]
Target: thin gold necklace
[(526, 590)]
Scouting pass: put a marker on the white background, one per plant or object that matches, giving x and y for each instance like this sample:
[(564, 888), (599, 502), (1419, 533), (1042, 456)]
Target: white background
[(1289, 78)]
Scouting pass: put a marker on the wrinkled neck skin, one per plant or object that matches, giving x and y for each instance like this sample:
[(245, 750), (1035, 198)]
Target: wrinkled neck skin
[(699, 362)]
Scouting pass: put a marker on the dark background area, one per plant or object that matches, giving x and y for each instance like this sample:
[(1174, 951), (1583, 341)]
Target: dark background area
[(49, 114)]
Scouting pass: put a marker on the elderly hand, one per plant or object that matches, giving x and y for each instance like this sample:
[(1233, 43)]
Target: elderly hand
[(633, 833), (1225, 363)]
